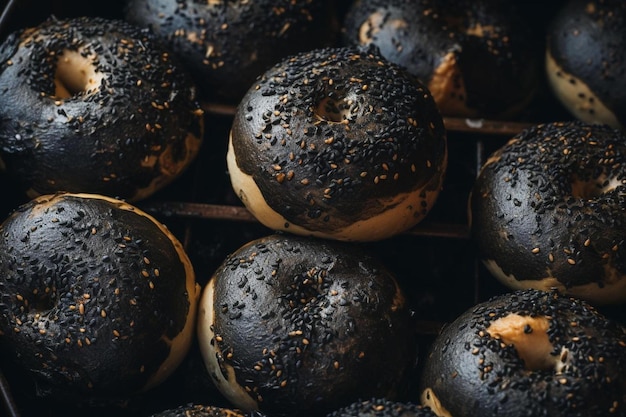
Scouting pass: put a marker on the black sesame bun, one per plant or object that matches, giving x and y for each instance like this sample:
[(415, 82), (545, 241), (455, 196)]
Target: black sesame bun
[(527, 353), (338, 143), (97, 299), (547, 211), (197, 410), (477, 58), (227, 44), (291, 325), (585, 60), (381, 407), (94, 105)]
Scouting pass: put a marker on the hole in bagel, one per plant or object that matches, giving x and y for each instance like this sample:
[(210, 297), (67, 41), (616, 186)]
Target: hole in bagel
[(41, 301), (44, 302), (75, 74), (335, 110), (590, 189), (529, 336)]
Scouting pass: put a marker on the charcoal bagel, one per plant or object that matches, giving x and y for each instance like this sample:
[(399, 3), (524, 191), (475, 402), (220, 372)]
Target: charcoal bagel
[(547, 211), (285, 327), (95, 105), (338, 143), (527, 353), (97, 298)]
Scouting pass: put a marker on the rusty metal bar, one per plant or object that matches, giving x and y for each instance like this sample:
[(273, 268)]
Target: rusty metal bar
[(184, 209)]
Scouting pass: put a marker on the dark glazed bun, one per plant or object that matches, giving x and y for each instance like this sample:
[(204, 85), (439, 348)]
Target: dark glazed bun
[(97, 299), (528, 353), (380, 407), (199, 411), (477, 58), (299, 326), (94, 105), (547, 211), (227, 44), (586, 62), (338, 143)]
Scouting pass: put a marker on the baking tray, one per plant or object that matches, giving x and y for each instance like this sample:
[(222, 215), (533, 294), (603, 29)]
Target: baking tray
[(434, 262)]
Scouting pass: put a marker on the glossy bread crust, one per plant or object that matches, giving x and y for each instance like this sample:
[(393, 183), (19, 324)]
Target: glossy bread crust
[(547, 210), (228, 44), (472, 371), (286, 326), (97, 299), (478, 58), (381, 407), (95, 105), (585, 56), (338, 143)]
